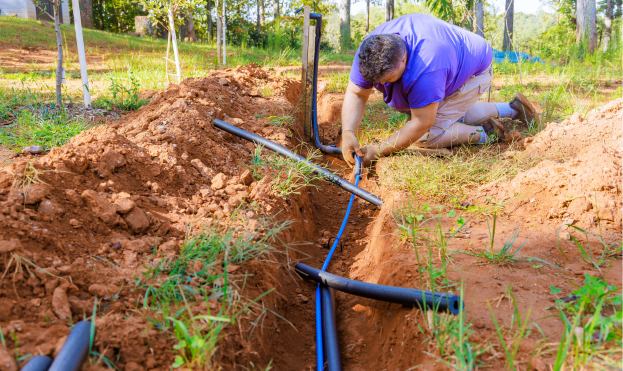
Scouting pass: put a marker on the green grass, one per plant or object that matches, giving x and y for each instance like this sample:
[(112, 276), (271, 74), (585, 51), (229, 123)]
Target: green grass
[(41, 126), (449, 179), (200, 273), (592, 320), (288, 176), (511, 339)]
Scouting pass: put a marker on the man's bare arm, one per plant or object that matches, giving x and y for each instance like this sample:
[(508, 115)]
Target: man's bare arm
[(422, 119), (353, 107)]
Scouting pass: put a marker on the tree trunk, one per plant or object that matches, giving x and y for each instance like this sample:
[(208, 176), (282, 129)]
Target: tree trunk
[(59, 48), (262, 11), (209, 20), (224, 32), (344, 25), (219, 37), (277, 9), (586, 27), (86, 12), (608, 24), (389, 10), (258, 19), (190, 27), (480, 18), (367, 16), (507, 43)]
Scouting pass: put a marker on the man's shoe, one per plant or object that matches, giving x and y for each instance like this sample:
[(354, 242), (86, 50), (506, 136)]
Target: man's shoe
[(526, 110), (494, 129)]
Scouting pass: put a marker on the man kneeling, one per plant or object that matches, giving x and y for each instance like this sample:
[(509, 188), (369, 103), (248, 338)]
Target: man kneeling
[(433, 71)]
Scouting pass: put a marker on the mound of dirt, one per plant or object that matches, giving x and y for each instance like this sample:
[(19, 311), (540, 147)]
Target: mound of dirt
[(577, 179), (84, 221)]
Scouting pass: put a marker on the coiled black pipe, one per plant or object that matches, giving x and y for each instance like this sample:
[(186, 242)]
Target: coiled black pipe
[(328, 149), (38, 363), (75, 349), (328, 175), (329, 330), (440, 302)]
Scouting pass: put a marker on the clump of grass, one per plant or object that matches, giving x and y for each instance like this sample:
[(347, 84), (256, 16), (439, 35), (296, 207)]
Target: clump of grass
[(451, 177), (122, 94), (280, 121), (28, 176), (266, 91), (518, 331), (289, 176), (337, 82), (592, 327), (201, 273), (451, 336), (608, 250), (46, 128)]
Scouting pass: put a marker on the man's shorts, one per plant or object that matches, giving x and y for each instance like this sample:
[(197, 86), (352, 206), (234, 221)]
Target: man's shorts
[(453, 107)]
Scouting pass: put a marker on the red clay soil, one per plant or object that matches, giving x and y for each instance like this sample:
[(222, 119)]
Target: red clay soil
[(84, 221)]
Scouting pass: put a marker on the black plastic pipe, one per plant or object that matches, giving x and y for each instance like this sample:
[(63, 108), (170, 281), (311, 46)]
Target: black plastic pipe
[(328, 149), (440, 302), (319, 170), (329, 330), (75, 349), (38, 363)]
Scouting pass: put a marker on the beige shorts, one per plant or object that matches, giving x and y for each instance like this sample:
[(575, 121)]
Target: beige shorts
[(453, 108)]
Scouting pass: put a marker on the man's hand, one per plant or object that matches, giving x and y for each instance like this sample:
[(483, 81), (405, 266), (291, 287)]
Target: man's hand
[(370, 154), (349, 145)]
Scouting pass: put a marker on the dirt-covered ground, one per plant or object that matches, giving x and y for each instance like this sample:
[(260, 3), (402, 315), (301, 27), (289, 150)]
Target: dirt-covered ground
[(88, 220)]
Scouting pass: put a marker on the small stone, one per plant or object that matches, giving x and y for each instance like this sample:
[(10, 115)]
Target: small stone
[(230, 190), (35, 193), (246, 177), (7, 363), (102, 291), (9, 245), (33, 150), (137, 220), (218, 181), (124, 205), (205, 192), (60, 303), (202, 168), (74, 223), (49, 208)]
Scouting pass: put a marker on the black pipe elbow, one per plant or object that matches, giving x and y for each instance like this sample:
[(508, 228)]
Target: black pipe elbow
[(440, 302), (38, 363), (75, 349)]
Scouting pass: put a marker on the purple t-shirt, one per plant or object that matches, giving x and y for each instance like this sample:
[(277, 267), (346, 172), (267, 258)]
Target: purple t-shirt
[(440, 58)]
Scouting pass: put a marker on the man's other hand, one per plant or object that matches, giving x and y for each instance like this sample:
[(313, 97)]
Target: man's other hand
[(349, 145), (370, 154)]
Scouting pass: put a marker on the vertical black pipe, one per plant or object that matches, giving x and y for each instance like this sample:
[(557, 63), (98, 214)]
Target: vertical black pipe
[(328, 149), (38, 363), (75, 349), (329, 330)]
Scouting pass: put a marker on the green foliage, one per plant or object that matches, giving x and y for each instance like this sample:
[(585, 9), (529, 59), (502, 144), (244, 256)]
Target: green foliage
[(518, 331), (607, 250), (593, 320), (123, 95), (196, 339), (116, 15), (288, 176), (40, 126)]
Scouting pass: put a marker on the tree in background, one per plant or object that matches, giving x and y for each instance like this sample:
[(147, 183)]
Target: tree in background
[(86, 13), (586, 25), (116, 15), (609, 13), (389, 10), (507, 44), (345, 39), (60, 73), (479, 25)]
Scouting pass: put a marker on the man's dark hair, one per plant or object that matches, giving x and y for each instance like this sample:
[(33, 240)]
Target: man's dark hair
[(379, 54)]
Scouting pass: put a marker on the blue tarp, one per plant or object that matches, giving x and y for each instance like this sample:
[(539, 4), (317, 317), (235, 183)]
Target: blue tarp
[(513, 57)]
